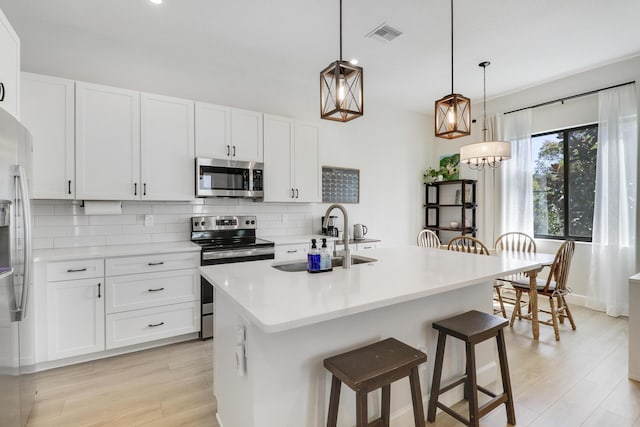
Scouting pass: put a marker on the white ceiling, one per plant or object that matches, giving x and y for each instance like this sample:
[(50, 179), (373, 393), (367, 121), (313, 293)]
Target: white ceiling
[(527, 42)]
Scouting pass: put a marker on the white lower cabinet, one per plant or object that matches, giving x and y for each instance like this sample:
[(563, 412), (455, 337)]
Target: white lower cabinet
[(75, 313), (138, 326), (151, 297), (288, 252), (142, 298)]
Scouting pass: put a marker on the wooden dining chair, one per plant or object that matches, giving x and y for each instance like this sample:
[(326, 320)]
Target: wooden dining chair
[(475, 246), (428, 239), (513, 242), (553, 287)]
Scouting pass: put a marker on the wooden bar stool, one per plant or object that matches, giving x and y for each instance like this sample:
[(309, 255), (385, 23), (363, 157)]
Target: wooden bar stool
[(471, 327), (370, 368)]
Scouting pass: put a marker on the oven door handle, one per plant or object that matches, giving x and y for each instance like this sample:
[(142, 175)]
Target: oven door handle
[(237, 253)]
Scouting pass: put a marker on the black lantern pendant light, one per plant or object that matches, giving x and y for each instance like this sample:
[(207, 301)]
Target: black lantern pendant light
[(341, 93), (453, 112)]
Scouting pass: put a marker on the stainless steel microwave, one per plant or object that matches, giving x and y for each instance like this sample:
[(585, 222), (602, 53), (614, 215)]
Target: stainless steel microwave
[(229, 178)]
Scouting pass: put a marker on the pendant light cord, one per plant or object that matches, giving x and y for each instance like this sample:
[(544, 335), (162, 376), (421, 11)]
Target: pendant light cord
[(451, 45), (484, 99), (341, 30)]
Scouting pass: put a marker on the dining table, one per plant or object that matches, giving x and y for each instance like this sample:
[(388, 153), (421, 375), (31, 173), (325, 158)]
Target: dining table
[(544, 260)]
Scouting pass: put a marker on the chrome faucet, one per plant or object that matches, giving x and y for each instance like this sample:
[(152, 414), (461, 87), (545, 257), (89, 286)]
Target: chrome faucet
[(346, 261)]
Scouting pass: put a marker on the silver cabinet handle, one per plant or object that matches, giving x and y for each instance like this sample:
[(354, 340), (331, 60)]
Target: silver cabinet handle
[(135, 188), (228, 150), (75, 270), (99, 286), (155, 263), (234, 151), (155, 290), (297, 193), (2, 91), (292, 251), (144, 189), (69, 186), (153, 325), (292, 193)]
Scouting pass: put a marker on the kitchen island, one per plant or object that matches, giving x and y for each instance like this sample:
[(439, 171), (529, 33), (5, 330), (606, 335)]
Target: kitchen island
[(274, 328)]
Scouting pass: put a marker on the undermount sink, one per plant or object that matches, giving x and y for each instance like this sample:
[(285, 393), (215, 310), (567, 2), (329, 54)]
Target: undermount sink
[(295, 266)]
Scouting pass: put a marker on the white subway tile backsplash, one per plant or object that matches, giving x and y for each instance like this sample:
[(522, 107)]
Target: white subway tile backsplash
[(62, 223), (72, 242), (46, 220), (128, 239), (112, 219), (42, 243), (170, 237)]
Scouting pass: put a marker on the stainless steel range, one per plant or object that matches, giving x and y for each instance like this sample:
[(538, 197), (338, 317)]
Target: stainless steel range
[(225, 239)]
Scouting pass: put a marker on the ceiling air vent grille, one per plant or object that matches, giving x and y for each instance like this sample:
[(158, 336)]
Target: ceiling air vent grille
[(384, 33)]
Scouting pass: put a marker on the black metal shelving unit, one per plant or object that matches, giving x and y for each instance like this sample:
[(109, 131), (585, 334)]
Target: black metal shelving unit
[(466, 204)]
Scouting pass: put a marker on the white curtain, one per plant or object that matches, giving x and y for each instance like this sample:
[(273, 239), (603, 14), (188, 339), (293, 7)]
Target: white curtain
[(614, 217), (516, 174)]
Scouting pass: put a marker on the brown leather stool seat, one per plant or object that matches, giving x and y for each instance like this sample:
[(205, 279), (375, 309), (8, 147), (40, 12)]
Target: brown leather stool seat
[(471, 327), (370, 368)]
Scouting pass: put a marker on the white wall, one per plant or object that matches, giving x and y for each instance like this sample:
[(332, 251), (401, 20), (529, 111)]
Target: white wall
[(556, 116), (389, 146)]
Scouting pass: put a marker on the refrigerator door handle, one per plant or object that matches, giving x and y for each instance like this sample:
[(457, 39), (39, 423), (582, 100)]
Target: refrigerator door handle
[(21, 182)]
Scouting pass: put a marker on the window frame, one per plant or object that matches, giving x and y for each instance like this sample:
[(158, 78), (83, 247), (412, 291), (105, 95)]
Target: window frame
[(565, 185)]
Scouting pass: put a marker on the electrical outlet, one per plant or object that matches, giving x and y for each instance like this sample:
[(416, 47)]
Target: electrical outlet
[(148, 220)]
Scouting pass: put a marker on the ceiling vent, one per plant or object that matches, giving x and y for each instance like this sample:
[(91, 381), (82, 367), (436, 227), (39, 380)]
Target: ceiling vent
[(384, 33)]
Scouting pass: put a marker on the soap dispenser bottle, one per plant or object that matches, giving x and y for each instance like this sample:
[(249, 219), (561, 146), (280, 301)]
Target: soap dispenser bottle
[(313, 258), (325, 257)]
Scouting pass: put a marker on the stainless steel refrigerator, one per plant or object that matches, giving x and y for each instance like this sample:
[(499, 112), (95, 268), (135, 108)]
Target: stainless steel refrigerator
[(17, 391)]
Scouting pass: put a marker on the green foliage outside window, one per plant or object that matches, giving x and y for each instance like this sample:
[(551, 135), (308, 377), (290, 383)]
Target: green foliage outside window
[(564, 182)]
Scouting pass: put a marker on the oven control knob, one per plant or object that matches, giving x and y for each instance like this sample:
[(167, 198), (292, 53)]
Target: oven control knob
[(203, 223), (253, 221), (247, 222)]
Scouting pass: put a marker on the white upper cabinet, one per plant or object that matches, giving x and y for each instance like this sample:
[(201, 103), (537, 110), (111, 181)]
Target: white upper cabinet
[(167, 141), (47, 110), (278, 135), (107, 143), (305, 167), (9, 68), (228, 133), (213, 131), (291, 160), (246, 135)]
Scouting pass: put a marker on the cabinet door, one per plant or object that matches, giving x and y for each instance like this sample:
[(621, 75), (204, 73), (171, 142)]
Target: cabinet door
[(167, 148), (306, 168), (213, 131), (9, 68), (246, 135), (48, 112), (75, 317), (278, 134), (107, 143)]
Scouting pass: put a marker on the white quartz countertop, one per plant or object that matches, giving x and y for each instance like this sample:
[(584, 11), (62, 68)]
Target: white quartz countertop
[(635, 279), (277, 301), (67, 254)]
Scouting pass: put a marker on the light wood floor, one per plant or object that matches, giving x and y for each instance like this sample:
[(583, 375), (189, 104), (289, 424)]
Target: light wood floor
[(579, 381)]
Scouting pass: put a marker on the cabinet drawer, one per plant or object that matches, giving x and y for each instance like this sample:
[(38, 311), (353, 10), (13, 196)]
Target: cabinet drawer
[(138, 326), (71, 270), (367, 246), (136, 291), (150, 263), (296, 251)]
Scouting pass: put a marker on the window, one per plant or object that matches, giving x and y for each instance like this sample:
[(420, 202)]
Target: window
[(564, 182)]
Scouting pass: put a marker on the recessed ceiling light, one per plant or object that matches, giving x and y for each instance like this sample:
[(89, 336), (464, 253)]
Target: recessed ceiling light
[(354, 61), (156, 1)]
